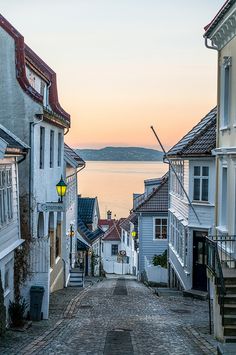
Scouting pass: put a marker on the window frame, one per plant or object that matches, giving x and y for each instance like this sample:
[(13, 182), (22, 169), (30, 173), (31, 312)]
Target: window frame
[(161, 226), (201, 178), (42, 147), (112, 247), (52, 139), (6, 194), (225, 92)]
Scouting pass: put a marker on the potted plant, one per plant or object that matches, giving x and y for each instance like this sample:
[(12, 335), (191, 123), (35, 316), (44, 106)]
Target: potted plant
[(16, 312)]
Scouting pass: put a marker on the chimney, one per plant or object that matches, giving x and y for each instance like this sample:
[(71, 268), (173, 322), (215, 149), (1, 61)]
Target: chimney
[(109, 214)]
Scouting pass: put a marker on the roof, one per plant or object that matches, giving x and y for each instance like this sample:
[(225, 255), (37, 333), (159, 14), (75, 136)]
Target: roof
[(86, 233), (125, 224), (86, 207), (200, 140), (81, 245), (72, 157), (106, 222), (219, 16), (25, 55), (113, 233), (156, 201), (13, 143)]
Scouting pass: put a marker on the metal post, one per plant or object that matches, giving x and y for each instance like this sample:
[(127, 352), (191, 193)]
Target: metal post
[(71, 234), (209, 304)]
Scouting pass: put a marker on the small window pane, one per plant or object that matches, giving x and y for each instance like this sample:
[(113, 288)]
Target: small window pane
[(204, 189), (196, 192), (197, 171), (205, 171)]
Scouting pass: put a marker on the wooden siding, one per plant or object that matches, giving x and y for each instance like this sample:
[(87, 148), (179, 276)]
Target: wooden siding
[(147, 246)]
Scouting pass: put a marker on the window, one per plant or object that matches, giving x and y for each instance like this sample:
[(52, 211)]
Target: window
[(102, 247), (114, 249), (51, 149), (42, 148), (223, 208), (59, 149), (128, 239), (6, 279), (160, 228), (225, 91), (123, 235), (178, 237), (201, 183), (176, 187), (6, 206)]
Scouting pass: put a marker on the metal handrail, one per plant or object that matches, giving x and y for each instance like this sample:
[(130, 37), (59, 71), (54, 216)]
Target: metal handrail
[(214, 266)]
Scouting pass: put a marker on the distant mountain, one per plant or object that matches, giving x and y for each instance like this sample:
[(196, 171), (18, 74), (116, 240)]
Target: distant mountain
[(121, 154)]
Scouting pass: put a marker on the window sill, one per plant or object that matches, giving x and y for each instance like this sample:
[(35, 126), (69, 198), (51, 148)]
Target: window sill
[(202, 203), (224, 129), (160, 240)]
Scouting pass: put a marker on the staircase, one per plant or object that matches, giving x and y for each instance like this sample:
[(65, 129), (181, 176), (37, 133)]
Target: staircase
[(221, 263), (228, 306), (76, 278)]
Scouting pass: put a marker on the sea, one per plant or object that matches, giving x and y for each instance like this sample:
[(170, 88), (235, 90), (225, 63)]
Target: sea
[(114, 182)]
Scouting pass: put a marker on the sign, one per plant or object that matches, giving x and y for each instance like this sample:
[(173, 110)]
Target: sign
[(51, 207), (122, 252)]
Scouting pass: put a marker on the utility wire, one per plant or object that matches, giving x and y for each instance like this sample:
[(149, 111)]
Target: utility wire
[(173, 169)]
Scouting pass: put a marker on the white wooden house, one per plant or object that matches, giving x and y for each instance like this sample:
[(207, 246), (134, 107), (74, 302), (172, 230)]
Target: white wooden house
[(188, 226), (29, 107), (12, 152)]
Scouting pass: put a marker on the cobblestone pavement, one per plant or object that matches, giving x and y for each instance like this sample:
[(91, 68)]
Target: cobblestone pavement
[(117, 317)]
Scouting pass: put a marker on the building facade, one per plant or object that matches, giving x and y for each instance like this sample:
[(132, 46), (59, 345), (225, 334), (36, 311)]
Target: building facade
[(12, 152), (29, 107), (191, 204), (151, 209)]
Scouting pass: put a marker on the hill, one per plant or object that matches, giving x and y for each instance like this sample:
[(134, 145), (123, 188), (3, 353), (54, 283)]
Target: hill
[(121, 154)]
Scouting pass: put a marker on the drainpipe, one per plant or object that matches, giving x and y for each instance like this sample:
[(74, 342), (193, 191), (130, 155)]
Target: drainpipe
[(217, 130), (31, 169)]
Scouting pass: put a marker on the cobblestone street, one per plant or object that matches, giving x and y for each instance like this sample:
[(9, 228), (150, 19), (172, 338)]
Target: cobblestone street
[(117, 317)]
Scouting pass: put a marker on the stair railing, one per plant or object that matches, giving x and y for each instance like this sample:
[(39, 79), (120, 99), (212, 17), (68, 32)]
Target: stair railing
[(215, 267)]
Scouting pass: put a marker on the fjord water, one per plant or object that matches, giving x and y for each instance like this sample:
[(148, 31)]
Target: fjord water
[(114, 183)]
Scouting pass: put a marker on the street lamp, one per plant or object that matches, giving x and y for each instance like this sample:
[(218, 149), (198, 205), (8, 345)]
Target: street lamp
[(133, 234), (61, 189)]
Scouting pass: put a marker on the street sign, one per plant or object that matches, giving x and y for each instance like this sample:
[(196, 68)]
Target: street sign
[(51, 207)]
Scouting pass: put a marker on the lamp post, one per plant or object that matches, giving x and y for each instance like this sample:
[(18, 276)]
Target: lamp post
[(72, 233), (61, 189)]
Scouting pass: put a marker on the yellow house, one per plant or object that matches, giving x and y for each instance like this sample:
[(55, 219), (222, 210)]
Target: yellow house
[(220, 35)]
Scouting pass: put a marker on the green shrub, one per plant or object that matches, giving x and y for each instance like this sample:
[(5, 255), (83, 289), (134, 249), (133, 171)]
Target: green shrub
[(160, 259), (16, 312)]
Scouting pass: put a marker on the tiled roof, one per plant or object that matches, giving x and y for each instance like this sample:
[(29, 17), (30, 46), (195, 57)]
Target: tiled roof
[(81, 245), (86, 209), (125, 224), (68, 151), (200, 140), (12, 141), (157, 201), (113, 233), (106, 222), (87, 233), (210, 27)]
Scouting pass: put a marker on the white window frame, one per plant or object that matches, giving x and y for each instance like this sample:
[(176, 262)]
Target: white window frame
[(223, 196), (176, 188), (161, 226), (41, 147), (225, 92), (201, 178), (6, 195)]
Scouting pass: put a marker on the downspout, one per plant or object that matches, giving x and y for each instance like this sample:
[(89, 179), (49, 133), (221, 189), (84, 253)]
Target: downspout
[(217, 130), (31, 169)]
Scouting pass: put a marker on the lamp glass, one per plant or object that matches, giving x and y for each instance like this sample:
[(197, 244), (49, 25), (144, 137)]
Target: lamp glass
[(133, 234), (61, 188)]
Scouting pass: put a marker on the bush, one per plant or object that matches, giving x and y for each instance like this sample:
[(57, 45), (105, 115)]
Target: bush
[(160, 260), (16, 312)]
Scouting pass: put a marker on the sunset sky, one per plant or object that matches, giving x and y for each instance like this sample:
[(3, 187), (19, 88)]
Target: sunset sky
[(123, 65)]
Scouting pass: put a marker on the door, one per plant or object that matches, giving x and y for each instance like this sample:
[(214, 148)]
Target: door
[(199, 260)]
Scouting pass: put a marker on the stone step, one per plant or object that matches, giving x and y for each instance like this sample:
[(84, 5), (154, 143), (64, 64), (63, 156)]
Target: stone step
[(75, 284), (201, 295), (230, 330), (230, 309), (230, 319), (75, 270), (230, 299), (230, 339), (230, 289), (74, 275), (226, 349)]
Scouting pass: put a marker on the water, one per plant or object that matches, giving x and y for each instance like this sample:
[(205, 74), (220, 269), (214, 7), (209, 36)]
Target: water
[(115, 182)]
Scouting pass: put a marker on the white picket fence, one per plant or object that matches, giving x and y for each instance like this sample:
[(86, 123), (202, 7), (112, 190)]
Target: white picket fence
[(156, 274)]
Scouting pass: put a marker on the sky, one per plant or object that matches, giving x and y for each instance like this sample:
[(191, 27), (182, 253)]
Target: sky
[(124, 65)]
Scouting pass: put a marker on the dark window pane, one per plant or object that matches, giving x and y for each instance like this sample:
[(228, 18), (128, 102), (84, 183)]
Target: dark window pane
[(164, 232), (158, 232), (158, 222), (204, 189), (196, 190), (205, 171), (197, 171), (164, 222)]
